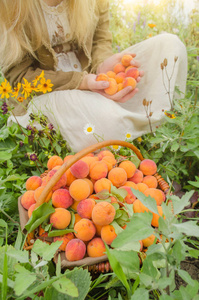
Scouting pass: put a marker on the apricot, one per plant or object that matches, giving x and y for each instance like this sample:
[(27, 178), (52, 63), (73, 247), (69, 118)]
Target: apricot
[(61, 182), (130, 81), (155, 219), (28, 199), (120, 87), (75, 250), (98, 229), (148, 167), (157, 194), (74, 205), (89, 159), (96, 247), (102, 184), (128, 68), (103, 213), (38, 192), (132, 72), (69, 177), (80, 169), (85, 208), (129, 167), (90, 184), (104, 153), (79, 189), (137, 177), (33, 182), (120, 77), (150, 181), (98, 170), (112, 89), (109, 161), (102, 77), (61, 218), (66, 238), (77, 218), (111, 74), (131, 184), (62, 198), (126, 60), (117, 176), (130, 197), (142, 187), (30, 210), (118, 68), (85, 230), (54, 161), (44, 180), (68, 157), (148, 241), (108, 234), (138, 207)]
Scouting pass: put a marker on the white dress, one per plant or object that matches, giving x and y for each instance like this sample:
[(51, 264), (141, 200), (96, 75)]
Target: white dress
[(81, 116)]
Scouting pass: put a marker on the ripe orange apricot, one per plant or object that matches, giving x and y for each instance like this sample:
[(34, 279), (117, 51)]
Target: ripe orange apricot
[(33, 182), (120, 87), (85, 230), (130, 197), (61, 183), (54, 161), (30, 210), (142, 187), (130, 81), (102, 184), (96, 247), (138, 207), (62, 198), (61, 218), (155, 219), (148, 241), (108, 234), (111, 74), (120, 77), (103, 213), (132, 72), (126, 60), (80, 169), (109, 161), (28, 199), (119, 68), (117, 176), (66, 238), (67, 157), (38, 192), (98, 170), (102, 77), (79, 189), (104, 153), (85, 208), (112, 89), (137, 177), (90, 184), (148, 167), (75, 250), (157, 194), (150, 181), (69, 177), (129, 167)]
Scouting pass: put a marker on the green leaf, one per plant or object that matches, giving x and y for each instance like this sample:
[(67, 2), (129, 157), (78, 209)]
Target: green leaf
[(66, 286), (186, 277), (120, 194), (180, 203), (189, 228), (4, 156), (117, 268), (39, 215), (148, 201), (23, 279), (44, 250), (19, 255), (137, 229), (59, 232), (140, 293), (104, 194), (175, 147), (117, 228), (128, 260), (3, 223)]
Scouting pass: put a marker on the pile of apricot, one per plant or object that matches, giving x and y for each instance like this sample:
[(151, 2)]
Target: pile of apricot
[(77, 194), (122, 75)]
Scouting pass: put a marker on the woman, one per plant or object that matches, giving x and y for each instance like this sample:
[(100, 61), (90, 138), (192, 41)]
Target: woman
[(71, 42)]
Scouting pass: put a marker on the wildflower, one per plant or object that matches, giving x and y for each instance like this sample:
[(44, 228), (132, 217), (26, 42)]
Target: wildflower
[(21, 143), (171, 116), (116, 147), (89, 129), (20, 99), (5, 89), (16, 90), (28, 127), (151, 25), (128, 136), (4, 108), (139, 139), (27, 88), (37, 78), (45, 85), (33, 157), (50, 126)]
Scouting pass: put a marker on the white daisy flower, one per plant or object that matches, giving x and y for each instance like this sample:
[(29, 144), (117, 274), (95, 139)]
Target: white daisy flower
[(89, 128), (128, 136), (116, 148)]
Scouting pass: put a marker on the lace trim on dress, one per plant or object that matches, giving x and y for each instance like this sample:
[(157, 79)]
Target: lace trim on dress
[(58, 9)]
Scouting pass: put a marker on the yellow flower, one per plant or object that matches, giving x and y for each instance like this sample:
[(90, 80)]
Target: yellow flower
[(27, 88), (37, 78), (16, 90), (89, 128), (171, 116), (20, 99), (5, 89), (128, 136), (151, 25), (116, 147), (139, 139), (45, 85)]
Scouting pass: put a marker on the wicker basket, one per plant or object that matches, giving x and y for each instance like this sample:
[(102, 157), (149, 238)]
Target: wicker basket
[(99, 264)]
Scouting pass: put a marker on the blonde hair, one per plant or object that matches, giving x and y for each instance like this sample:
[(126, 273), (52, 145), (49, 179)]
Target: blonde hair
[(22, 26)]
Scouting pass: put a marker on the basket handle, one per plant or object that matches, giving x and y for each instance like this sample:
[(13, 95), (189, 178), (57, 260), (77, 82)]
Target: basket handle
[(78, 156)]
